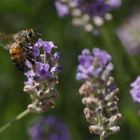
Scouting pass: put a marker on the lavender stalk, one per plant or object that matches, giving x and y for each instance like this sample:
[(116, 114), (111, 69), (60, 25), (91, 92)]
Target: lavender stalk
[(42, 77), (99, 92), (90, 14)]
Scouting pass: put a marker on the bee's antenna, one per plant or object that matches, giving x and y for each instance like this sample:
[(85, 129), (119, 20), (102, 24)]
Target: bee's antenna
[(37, 28), (38, 33)]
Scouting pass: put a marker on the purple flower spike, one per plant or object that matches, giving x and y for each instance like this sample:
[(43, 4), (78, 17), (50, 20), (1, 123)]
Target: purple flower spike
[(98, 91), (90, 14), (42, 76), (135, 91), (49, 128)]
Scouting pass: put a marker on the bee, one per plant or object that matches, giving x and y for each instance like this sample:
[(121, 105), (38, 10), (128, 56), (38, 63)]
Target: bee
[(21, 46)]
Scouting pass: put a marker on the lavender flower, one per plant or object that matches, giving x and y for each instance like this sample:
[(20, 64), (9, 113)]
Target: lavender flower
[(129, 33), (62, 9), (42, 76), (114, 3), (87, 13), (98, 91), (86, 69), (135, 91), (49, 128)]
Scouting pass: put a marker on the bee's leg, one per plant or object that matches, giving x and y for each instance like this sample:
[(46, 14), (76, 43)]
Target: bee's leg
[(28, 55), (30, 59)]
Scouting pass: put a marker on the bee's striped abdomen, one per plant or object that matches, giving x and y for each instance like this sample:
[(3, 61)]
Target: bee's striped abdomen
[(17, 56)]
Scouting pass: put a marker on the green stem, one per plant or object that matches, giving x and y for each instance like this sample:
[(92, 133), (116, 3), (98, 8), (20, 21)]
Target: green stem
[(100, 120), (45, 61), (20, 116), (101, 137)]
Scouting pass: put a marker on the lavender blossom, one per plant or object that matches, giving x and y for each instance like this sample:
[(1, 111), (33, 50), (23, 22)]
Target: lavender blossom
[(42, 76), (86, 69), (114, 3), (62, 9), (129, 33), (49, 128), (87, 13), (135, 91), (98, 91)]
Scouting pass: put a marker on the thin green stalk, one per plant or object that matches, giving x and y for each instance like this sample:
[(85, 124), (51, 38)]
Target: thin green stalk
[(44, 57), (101, 125), (20, 116), (101, 137)]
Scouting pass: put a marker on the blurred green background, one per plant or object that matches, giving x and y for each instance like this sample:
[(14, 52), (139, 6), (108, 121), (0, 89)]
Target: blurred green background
[(16, 15)]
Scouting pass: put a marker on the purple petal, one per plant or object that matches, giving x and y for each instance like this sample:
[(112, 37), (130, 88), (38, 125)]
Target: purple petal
[(103, 56), (62, 9), (48, 46), (114, 3), (56, 56), (39, 43)]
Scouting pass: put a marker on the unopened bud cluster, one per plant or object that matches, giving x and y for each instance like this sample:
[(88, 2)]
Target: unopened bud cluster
[(42, 76), (90, 14), (98, 91)]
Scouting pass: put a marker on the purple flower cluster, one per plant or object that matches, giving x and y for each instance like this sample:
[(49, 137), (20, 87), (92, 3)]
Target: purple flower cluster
[(93, 64), (96, 8), (129, 33), (98, 91), (114, 3), (135, 91), (42, 75), (87, 13), (45, 66), (49, 128)]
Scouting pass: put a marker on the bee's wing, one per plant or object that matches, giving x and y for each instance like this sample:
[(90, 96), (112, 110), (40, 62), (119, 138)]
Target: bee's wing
[(6, 40)]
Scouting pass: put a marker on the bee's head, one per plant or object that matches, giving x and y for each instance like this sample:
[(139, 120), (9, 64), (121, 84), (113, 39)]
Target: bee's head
[(30, 34), (27, 37)]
